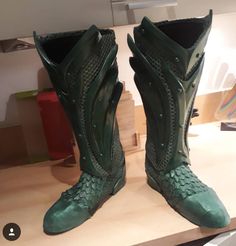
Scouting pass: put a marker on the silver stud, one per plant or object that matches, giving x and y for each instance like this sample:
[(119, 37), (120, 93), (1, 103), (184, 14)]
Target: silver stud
[(161, 116), (73, 100), (80, 135), (94, 126), (162, 145), (84, 158), (176, 59), (101, 154)]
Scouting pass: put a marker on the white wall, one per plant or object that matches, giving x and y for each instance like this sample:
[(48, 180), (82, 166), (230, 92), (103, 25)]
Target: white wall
[(220, 71), (126, 73), (19, 71)]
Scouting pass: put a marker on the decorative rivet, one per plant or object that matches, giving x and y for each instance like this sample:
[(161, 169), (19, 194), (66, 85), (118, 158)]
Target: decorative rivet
[(94, 126), (68, 74), (176, 59), (73, 100), (112, 101), (84, 158), (80, 135), (180, 151), (162, 145), (161, 116), (101, 154), (142, 30)]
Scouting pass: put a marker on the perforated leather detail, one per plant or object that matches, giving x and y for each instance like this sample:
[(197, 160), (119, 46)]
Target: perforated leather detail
[(163, 157)]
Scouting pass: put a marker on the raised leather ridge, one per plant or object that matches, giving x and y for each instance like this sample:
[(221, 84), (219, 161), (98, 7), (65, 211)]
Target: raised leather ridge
[(168, 59), (85, 80), (83, 70)]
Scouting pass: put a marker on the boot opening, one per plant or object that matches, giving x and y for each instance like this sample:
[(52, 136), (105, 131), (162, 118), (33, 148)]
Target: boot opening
[(184, 33), (57, 49)]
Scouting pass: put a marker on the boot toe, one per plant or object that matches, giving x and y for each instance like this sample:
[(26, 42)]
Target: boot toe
[(217, 218), (63, 216), (204, 209)]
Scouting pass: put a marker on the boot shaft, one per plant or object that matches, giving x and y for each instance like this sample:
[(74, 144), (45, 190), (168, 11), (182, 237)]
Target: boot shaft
[(168, 61), (83, 70)]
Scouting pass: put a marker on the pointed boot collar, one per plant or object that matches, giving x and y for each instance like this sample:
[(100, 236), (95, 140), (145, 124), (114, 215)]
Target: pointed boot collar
[(184, 57), (87, 40)]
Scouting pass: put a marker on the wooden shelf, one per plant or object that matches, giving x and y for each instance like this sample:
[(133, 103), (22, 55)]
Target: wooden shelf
[(136, 215)]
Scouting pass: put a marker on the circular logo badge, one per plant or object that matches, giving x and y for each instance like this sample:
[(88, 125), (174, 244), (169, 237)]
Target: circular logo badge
[(11, 231)]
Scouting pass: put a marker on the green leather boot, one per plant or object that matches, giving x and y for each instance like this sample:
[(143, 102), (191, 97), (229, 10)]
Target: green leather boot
[(168, 60), (82, 67)]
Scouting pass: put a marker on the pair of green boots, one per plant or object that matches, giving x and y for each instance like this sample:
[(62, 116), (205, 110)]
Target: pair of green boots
[(167, 59)]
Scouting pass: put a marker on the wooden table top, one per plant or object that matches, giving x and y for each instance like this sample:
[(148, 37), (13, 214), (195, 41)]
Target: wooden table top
[(136, 215)]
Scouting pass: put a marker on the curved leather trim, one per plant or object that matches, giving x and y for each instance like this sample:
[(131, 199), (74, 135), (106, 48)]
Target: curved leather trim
[(170, 48)]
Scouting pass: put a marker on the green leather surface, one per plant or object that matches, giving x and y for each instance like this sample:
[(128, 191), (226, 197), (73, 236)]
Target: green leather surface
[(168, 59), (83, 70)]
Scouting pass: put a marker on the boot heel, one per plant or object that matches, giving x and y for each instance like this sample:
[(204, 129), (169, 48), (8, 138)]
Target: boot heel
[(153, 184), (119, 184)]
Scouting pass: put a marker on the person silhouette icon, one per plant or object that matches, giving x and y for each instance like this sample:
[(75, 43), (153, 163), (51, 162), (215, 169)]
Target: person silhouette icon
[(12, 234), (11, 231)]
